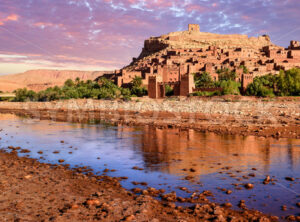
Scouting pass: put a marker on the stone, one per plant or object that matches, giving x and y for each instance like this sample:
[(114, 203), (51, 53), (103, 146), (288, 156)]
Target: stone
[(249, 186)]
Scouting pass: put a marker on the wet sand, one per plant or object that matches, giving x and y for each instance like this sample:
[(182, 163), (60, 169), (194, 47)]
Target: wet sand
[(34, 191)]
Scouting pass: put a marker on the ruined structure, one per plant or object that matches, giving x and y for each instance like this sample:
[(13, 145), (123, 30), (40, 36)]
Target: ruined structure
[(172, 59)]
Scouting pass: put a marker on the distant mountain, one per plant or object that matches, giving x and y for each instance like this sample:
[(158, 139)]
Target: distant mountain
[(41, 79)]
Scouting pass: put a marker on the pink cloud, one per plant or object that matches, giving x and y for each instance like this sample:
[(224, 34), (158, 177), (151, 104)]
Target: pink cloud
[(12, 17)]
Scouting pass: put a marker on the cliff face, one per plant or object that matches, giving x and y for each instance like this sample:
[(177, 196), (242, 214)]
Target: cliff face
[(41, 79), (197, 39)]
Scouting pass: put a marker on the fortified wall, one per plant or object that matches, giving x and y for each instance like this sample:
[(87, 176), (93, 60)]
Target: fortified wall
[(172, 59)]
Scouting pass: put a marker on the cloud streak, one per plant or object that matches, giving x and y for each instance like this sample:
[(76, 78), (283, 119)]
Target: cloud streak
[(106, 34)]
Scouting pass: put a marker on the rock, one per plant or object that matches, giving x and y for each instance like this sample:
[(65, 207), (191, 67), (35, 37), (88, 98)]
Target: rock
[(193, 170), (227, 205), (92, 202), (242, 204), (249, 186), (290, 178), (74, 206), (267, 180), (28, 177), (61, 161), (283, 208), (228, 192), (251, 175), (25, 151), (40, 152), (291, 218), (129, 218)]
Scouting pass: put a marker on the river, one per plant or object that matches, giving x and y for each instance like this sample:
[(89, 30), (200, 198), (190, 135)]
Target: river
[(167, 157)]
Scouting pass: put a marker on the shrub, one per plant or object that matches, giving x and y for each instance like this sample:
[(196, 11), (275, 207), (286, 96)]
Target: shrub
[(230, 87), (169, 91), (24, 95), (203, 80), (137, 88)]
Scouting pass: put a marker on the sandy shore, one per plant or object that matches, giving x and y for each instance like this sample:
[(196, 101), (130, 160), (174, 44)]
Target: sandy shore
[(279, 118), (33, 191)]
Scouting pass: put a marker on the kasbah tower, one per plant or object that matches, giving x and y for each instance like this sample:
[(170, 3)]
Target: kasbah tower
[(172, 59)]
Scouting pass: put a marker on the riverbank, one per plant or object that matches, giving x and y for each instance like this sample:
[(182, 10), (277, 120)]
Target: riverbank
[(34, 191), (279, 118)]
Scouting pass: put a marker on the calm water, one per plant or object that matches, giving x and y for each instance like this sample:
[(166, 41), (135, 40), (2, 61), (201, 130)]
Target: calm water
[(165, 153)]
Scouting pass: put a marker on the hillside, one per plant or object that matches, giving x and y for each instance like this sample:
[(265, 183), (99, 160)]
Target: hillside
[(41, 79)]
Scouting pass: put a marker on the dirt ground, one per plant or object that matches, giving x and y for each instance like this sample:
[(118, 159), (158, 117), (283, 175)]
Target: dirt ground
[(33, 191)]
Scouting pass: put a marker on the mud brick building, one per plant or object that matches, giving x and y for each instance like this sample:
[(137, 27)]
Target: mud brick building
[(172, 59)]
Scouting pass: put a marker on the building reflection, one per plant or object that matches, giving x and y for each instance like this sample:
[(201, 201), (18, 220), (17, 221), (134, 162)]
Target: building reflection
[(175, 149)]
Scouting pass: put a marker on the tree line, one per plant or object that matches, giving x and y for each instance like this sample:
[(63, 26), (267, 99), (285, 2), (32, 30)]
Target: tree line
[(286, 83)]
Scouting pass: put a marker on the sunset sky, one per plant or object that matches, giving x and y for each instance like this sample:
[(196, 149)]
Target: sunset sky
[(106, 34)]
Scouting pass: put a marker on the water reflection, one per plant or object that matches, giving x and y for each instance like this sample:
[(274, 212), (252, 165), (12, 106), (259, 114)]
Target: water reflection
[(167, 156), (191, 149)]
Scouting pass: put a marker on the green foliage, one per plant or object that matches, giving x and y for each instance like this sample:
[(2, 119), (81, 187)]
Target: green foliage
[(137, 81), (245, 69), (137, 88), (105, 89), (203, 80), (287, 83), (226, 74), (206, 93), (230, 87), (24, 95), (169, 90)]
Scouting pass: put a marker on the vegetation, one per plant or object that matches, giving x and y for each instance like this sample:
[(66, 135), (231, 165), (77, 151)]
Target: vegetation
[(229, 87), (226, 74), (104, 89), (245, 69), (169, 91), (286, 83), (204, 80), (227, 83), (137, 89)]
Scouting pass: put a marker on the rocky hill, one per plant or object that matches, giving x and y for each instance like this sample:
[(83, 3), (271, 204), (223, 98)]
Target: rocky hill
[(41, 79), (196, 39)]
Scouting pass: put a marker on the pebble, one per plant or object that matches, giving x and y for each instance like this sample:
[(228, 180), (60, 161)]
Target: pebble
[(129, 218), (290, 178), (249, 186), (92, 202)]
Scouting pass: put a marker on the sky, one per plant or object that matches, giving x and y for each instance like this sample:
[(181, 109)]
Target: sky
[(106, 34)]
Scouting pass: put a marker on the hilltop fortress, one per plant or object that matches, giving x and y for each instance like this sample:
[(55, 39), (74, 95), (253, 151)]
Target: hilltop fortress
[(172, 59)]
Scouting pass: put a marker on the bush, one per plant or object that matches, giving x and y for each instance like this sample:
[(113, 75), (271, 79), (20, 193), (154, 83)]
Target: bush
[(24, 95), (226, 74), (203, 80), (230, 87), (287, 83), (105, 89), (137, 88), (206, 93), (169, 91)]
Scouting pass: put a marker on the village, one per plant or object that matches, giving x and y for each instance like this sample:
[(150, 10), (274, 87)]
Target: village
[(173, 59)]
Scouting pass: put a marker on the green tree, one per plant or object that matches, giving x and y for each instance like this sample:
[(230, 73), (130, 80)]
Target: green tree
[(137, 88), (226, 74), (203, 80)]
